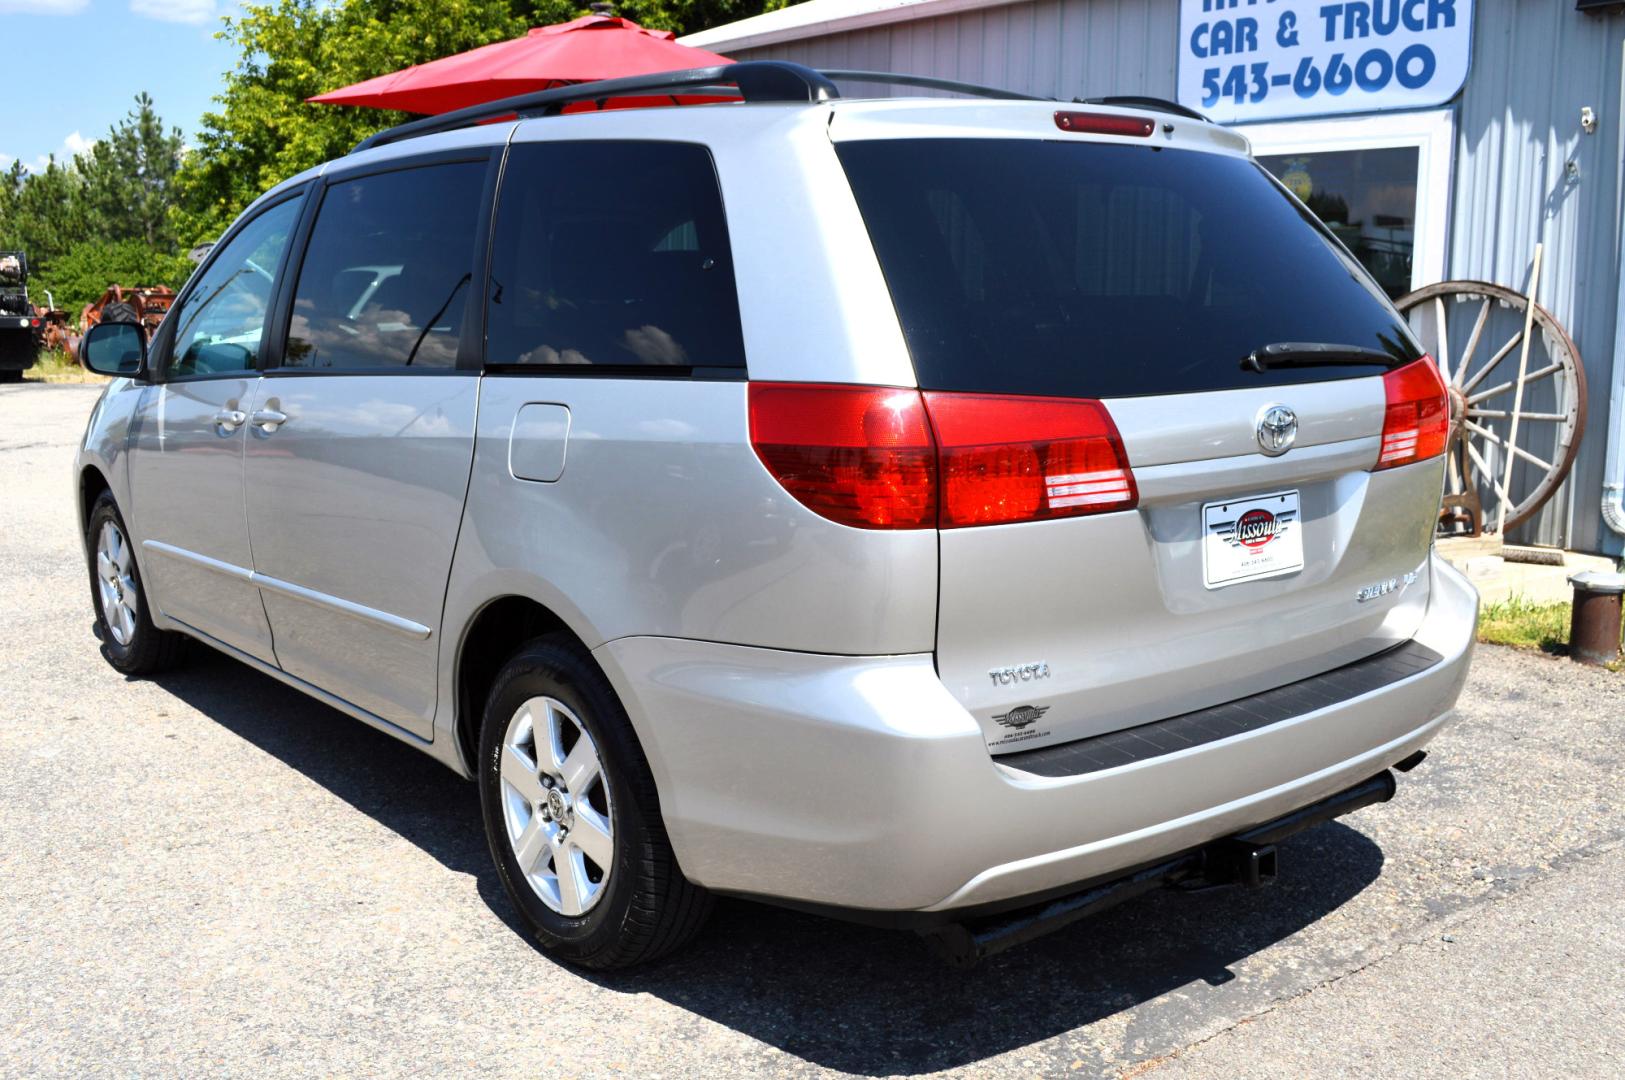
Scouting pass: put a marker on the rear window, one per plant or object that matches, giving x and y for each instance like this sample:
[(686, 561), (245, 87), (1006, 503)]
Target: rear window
[(612, 255), (1092, 270)]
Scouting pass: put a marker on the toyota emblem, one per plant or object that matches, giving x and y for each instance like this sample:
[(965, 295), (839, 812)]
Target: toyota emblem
[(1277, 429)]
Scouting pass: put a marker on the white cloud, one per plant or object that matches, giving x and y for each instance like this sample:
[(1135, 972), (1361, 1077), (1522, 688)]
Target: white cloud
[(42, 7), (72, 146), (195, 12)]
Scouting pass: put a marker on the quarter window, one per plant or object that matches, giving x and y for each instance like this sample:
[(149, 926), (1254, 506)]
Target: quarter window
[(614, 255), (386, 275), (223, 316)]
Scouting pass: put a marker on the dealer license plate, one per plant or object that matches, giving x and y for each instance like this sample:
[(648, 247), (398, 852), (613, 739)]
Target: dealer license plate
[(1258, 536)]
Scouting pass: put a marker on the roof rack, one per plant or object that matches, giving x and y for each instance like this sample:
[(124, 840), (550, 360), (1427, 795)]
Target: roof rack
[(750, 80), (1157, 103), (888, 78)]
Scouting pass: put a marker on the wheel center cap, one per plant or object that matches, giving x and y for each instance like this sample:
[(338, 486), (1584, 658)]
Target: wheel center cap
[(556, 805)]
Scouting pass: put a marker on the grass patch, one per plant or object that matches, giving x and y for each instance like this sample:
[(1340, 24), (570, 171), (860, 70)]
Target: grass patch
[(56, 366), (1524, 624)]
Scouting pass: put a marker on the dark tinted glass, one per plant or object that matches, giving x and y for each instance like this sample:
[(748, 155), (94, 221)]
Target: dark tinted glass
[(1367, 197), (613, 254), (386, 275), (1087, 270)]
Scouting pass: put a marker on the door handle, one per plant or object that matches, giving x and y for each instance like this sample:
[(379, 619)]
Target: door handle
[(229, 420), (268, 420)]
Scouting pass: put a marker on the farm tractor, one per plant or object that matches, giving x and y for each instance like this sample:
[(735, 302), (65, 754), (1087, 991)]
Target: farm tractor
[(26, 327), (19, 324), (146, 304)]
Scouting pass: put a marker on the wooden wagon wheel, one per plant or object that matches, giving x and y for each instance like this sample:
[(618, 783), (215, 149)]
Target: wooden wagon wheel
[(1552, 416)]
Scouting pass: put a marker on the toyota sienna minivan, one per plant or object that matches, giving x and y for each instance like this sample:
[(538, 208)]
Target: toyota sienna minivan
[(948, 513)]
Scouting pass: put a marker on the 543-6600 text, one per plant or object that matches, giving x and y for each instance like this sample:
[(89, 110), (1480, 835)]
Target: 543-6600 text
[(1371, 71)]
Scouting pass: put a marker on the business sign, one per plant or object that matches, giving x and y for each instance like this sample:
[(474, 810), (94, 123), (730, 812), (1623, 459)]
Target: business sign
[(1242, 60)]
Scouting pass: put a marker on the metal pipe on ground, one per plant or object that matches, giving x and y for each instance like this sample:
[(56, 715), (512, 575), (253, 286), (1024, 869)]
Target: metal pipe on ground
[(1594, 633)]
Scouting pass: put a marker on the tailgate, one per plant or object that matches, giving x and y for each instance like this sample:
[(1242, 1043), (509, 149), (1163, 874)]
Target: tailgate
[(1057, 630), (1207, 310)]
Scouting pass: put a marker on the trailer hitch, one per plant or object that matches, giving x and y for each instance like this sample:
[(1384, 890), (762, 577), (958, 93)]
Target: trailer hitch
[(1248, 859)]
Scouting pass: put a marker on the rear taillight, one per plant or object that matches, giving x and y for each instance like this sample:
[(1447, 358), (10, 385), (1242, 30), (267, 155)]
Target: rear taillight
[(1416, 424), (861, 456), (1004, 459), (884, 458)]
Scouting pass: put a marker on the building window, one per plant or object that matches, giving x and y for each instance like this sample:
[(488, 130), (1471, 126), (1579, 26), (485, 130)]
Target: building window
[(1367, 197), (1381, 183)]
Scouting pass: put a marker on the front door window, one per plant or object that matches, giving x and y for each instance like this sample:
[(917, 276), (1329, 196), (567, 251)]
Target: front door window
[(223, 315)]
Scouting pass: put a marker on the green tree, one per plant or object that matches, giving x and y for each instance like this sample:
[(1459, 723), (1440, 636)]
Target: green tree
[(129, 177), (84, 272), (264, 131), (691, 16), (42, 213)]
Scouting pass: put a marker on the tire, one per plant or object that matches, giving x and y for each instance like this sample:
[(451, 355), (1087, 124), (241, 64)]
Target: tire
[(129, 640), (10, 375), (119, 312), (640, 907)]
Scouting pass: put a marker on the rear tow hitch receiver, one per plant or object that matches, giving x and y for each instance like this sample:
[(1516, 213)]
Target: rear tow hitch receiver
[(1235, 861), (1247, 859)]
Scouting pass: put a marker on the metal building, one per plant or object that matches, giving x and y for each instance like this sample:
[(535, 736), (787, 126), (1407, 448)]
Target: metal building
[(1486, 126)]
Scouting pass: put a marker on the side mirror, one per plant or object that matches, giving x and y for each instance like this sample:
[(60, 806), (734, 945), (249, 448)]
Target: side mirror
[(115, 349)]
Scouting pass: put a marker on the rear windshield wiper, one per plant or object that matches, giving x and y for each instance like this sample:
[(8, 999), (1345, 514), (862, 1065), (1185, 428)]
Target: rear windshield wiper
[(1312, 354)]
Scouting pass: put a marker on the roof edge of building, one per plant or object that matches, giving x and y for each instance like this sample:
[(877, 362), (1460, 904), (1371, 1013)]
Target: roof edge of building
[(817, 18)]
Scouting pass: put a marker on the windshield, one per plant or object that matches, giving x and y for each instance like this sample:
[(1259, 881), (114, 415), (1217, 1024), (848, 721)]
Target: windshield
[(1092, 270)]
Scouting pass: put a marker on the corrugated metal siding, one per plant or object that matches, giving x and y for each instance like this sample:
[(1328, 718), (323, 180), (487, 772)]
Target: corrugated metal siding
[(1055, 48), (1535, 64)]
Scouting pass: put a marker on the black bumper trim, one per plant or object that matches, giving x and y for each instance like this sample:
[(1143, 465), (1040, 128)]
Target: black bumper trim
[(1217, 722)]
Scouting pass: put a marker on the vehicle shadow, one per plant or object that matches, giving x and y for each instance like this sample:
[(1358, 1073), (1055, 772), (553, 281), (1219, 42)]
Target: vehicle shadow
[(878, 1003), (853, 998)]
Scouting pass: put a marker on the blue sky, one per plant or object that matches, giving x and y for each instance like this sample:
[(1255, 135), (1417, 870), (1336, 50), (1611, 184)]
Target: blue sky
[(80, 63)]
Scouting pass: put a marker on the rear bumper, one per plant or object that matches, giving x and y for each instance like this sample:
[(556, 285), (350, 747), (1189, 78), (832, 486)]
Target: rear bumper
[(860, 783)]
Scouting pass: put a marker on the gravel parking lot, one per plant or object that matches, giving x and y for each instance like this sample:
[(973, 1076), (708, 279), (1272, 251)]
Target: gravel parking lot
[(210, 874)]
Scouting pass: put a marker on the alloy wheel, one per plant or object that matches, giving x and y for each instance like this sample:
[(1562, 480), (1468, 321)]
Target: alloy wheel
[(556, 806), (115, 582)]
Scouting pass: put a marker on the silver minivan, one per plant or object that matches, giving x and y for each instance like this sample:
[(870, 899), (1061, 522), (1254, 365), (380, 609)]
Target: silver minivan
[(957, 513)]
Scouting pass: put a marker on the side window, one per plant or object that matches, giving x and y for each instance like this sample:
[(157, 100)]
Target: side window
[(612, 254), (387, 271), (218, 325)]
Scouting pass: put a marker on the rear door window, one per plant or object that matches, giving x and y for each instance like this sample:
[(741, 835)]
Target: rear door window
[(612, 255), (1092, 270), (387, 272)]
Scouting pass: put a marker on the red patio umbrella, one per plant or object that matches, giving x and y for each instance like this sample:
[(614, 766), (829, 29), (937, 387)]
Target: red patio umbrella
[(585, 49)]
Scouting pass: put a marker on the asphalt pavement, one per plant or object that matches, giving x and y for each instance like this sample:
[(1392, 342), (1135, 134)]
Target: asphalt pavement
[(209, 874)]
